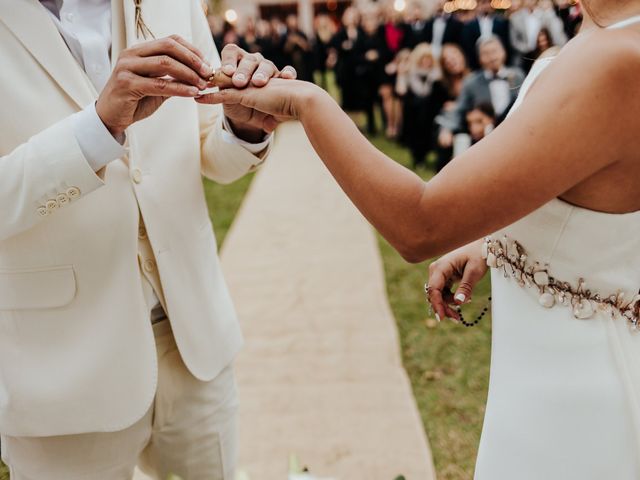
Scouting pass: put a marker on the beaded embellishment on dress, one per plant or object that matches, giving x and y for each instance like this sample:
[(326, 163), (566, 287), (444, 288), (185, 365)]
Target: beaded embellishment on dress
[(509, 256)]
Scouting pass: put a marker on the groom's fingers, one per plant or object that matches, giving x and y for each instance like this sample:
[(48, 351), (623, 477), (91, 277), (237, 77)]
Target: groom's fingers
[(288, 73), (230, 56), (266, 71)]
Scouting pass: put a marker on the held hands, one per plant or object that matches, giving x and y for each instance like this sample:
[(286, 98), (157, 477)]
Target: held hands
[(149, 73), (240, 70), (465, 267), (279, 101)]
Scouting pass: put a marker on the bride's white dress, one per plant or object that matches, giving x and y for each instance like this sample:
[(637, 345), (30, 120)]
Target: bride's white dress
[(564, 394)]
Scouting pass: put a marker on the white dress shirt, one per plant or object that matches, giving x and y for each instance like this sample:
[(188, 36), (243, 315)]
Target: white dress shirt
[(534, 25), (439, 27), (486, 26), (85, 26), (500, 91)]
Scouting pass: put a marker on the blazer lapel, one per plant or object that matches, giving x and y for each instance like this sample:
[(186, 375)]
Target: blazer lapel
[(30, 23), (118, 30)]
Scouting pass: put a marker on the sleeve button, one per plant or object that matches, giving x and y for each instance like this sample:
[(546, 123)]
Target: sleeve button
[(136, 175), (73, 193), (62, 199), (52, 205), (42, 211), (149, 266)]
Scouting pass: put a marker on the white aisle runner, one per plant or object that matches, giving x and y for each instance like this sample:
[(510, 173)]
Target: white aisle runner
[(321, 374)]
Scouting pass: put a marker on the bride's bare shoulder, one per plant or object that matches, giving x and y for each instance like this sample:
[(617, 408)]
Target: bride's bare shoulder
[(602, 52), (598, 65)]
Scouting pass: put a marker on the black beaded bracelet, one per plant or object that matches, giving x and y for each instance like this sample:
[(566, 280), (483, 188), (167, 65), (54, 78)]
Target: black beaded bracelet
[(458, 309), (478, 318)]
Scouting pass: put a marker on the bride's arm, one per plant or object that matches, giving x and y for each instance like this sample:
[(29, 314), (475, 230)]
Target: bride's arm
[(573, 125)]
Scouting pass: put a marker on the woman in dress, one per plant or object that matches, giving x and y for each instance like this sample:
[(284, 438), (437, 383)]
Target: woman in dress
[(555, 187), (423, 96), (454, 68), (344, 45)]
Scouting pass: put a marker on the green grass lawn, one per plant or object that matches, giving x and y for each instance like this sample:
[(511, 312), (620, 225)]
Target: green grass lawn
[(448, 364)]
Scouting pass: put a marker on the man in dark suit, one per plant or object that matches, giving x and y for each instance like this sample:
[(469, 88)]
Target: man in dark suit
[(494, 84), (415, 27), (485, 24), (442, 28)]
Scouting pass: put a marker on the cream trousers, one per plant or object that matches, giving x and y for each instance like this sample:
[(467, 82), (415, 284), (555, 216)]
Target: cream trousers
[(189, 431)]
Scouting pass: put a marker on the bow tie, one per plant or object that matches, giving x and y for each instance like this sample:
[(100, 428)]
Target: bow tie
[(498, 76)]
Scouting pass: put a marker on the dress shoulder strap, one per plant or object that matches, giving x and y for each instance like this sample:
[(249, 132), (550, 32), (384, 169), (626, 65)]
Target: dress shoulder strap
[(625, 23)]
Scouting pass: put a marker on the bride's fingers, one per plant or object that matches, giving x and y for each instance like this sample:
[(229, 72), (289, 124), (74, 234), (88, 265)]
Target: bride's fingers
[(452, 314), (437, 303), (473, 273), (226, 97)]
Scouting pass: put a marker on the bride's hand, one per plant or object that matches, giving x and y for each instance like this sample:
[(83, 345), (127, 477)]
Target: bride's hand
[(279, 100), (464, 266)]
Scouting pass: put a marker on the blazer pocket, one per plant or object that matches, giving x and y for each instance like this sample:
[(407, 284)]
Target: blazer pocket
[(37, 288)]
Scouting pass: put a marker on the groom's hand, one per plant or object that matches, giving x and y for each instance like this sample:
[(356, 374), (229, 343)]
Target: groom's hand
[(145, 76), (253, 69)]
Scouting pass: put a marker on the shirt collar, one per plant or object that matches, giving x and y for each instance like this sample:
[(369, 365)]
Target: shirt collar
[(501, 75)]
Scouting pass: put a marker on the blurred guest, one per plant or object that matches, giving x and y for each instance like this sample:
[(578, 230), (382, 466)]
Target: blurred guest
[(527, 23), (298, 49), (516, 6), (543, 44), (251, 37), (325, 30), (395, 30), (416, 21), (344, 43), (263, 42), (373, 55), (480, 123), (495, 84), (454, 69), (571, 15), (485, 24), (230, 35), (423, 98), (278, 41), (216, 25), (391, 102), (443, 28)]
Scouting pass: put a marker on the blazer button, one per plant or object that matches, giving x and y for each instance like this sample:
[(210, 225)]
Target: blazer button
[(73, 193), (62, 199), (52, 205), (149, 266), (42, 211), (136, 175), (142, 232)]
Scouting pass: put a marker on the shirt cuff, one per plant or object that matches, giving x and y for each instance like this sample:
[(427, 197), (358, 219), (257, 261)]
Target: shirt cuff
[(230, 137), (97, 144)]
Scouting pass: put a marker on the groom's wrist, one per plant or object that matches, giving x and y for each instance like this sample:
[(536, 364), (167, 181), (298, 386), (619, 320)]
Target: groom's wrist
[(246, 132)]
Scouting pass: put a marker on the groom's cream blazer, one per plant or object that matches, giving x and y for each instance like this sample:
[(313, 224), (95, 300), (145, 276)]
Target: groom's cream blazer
[(77, 352)]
